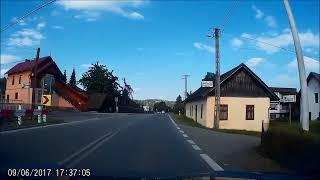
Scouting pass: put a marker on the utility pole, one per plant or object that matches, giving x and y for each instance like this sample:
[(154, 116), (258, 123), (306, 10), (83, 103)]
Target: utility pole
[(303, 80), (185, 77), (34, 79), (217, 80)]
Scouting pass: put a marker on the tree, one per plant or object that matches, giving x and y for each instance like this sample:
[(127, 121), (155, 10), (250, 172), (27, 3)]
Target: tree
[(161, 106), (100, 80), (73, 80), (65, 76), (179, 105), (126, 93)]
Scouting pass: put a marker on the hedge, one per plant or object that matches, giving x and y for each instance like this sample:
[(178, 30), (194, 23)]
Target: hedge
[(293, 148)]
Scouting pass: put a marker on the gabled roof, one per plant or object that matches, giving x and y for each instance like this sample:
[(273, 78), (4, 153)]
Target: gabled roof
[(313, 75), (44, 64), (28, 65), (205, 91), (284, 91)]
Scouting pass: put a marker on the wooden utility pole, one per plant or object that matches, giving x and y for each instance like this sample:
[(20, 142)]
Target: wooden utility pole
[(302, 74), (185, 77), (34, 79), (217, 83)]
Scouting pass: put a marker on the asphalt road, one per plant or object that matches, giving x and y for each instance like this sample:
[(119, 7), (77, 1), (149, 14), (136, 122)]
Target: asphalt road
[(117, 145)]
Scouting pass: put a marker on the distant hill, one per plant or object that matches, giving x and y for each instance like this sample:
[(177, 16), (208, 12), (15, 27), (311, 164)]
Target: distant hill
[(150, 102)]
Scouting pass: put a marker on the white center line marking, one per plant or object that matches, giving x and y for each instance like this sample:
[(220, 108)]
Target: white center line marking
[(196, 147), (178, 128), (191, 142), (181, 131), (184, 135), (211, 162)]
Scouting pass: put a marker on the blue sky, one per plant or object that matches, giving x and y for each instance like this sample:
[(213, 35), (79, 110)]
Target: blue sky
[(153, 43)]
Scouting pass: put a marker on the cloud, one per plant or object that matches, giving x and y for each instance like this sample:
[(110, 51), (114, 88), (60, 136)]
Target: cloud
[(204, 47), (236, 43), (259, 13), (88, 16), (85, 65), (25, 37), (41, 25), (308, 40), (57, 27), (309, 63), (55, 13), (7, 58), (3, 71), (285, 80), (21, 22), (254, 62), (116, 7), (271, 22)]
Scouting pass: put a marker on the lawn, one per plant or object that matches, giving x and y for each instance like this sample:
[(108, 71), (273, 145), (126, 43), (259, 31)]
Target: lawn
[(190, 122), (11, 124)]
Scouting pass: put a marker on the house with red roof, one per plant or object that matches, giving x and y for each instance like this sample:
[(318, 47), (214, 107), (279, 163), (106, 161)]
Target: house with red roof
[(28, 81)]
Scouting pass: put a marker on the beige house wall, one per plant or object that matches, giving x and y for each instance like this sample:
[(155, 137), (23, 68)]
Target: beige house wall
[(236, 112), (24, 94), (201, 120), (58, 101)]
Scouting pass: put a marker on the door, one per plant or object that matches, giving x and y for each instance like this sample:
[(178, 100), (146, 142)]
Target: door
[(196, 113)]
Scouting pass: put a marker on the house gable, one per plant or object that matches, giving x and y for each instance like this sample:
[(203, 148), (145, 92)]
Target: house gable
[(242, 84)]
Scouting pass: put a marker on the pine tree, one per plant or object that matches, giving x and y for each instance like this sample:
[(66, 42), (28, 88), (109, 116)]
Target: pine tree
[(65, 76), (73, 80)]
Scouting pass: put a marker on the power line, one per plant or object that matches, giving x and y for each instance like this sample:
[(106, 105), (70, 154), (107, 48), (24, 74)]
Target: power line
[(227, 16), (26, 15), (270, 44)]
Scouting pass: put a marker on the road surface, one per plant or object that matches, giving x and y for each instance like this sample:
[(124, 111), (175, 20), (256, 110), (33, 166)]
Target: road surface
[(116, 145)]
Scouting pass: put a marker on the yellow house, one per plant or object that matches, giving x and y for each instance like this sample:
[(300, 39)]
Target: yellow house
[(244, 102)]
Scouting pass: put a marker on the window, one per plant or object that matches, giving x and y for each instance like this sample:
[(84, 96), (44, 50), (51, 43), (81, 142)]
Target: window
[(12, 80), (190, 111), (223, 112), (7, 96), (309, 116), (316, 97), (249, 112), (20, 77), (273, 106), (201, 109), (16, 96)]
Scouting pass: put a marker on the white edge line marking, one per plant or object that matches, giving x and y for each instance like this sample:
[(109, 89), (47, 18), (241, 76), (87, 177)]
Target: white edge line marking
[(178, 128), (196, 147), (50, 125), (211, 162), (181, 131), (191, 142), (83, 149), (87, 153), (172, 120), (184, 135)]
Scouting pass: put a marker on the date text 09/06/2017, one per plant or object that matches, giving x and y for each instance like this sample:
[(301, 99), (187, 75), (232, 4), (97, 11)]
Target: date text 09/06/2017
[(45, 172)]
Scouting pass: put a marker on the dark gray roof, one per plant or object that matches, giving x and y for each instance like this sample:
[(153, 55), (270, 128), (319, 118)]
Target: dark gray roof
[(205, 91), (313, 75), (284, 91)]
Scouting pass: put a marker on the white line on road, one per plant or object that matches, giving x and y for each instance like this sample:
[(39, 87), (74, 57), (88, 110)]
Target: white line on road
[(191, 142), (178, 127), (51, 125), (211, 162), (85, 154), (196, 147), (181, 131), (172, 120), (63, 162), (184, 135)]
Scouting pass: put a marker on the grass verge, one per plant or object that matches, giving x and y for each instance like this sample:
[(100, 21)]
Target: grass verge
[(190, 122)]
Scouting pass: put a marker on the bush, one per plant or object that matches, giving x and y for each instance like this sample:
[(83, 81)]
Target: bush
[(292, 147)]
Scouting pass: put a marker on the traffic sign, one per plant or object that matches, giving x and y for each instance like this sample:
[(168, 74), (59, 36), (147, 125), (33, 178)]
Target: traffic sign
[(46, 100)]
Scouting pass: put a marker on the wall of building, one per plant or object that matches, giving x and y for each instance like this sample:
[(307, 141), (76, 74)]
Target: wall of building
[(236, 112), (24, 93), (192, 114), (314, 108), (58, 101)]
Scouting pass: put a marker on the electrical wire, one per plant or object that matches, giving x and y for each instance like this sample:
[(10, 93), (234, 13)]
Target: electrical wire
[(26, 15)]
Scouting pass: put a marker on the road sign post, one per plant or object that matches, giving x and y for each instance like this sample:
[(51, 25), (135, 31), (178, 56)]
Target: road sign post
[(37, 112), (19, 113), (116, 99)]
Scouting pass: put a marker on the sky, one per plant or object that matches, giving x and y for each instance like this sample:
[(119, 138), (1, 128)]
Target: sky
[(153, 43)]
